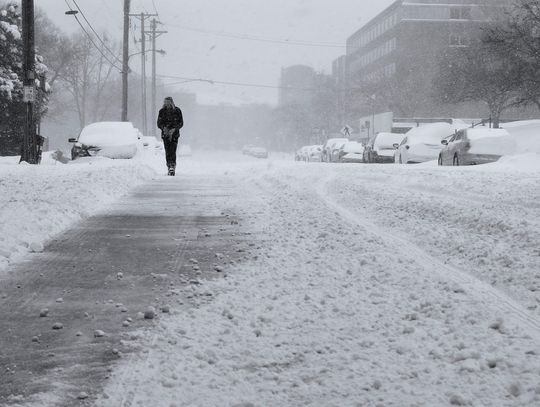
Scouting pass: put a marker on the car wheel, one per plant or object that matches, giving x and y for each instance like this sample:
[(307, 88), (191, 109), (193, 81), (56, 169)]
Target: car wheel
[(440, 160), (456, 161)]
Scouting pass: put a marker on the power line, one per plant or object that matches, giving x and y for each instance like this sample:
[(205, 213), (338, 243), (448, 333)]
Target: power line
[(155, 8), (92, 40), (243, 84), (259, 39), (96, 34)]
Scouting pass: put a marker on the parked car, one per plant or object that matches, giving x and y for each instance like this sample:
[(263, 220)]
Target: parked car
[(381, 149), (246, 149), (352, 152), (301, 154), (476, 146), (117, 140), (335, 150), (258, 152), (328, 147), (314, 154), (422, 144)]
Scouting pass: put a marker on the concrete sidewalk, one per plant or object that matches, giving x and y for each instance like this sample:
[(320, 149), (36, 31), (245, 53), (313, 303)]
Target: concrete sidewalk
[(100, 273)]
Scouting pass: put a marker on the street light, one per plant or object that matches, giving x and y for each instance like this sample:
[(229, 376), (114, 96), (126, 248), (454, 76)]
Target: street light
[(71, 13), (158, 51)]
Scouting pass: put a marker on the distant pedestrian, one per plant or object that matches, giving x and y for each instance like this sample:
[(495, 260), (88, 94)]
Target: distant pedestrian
[(170, 121)]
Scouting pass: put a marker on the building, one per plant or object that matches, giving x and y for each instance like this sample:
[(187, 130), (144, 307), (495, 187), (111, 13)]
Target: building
[(395, 56), (296, 85), (339, 76)]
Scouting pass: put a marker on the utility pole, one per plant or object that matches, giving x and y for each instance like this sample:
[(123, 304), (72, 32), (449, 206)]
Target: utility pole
[(29, 151), (125, 62), (154, 35), (142, 17)]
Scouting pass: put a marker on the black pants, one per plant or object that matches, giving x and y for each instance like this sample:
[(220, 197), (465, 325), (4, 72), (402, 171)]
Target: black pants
[(170, 151)]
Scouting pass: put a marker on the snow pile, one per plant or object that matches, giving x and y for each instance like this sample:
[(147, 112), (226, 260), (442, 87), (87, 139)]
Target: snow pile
[(528, 162), (526, 134), (37, 202)]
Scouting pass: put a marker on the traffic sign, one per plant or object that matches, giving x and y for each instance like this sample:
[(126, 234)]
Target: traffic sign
[(29, 95)]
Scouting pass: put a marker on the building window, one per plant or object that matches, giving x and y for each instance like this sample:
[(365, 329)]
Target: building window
[(460, 13)]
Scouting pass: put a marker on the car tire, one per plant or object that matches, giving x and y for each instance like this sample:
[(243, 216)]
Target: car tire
[(439, 162), (456, 161)]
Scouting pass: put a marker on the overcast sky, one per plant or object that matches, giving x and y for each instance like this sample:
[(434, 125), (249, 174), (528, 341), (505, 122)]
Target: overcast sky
[(195, 54)]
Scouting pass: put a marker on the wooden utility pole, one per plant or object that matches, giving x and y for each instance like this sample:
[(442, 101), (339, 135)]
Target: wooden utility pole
[(142, 17), (29, 149), (154, 35), (125, 62)]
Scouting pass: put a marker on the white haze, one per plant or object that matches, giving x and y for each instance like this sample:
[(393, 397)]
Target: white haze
[(200, 55)]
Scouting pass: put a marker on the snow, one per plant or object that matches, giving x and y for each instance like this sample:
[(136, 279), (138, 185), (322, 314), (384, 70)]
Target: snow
[(38, 202), (353, 147), (115, 139), (491, 141), (527, 135), (11, 29), (373, 286), (386, 141), (431, 133)]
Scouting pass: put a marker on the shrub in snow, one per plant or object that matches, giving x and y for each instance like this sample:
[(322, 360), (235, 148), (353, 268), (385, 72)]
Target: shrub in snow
[(12, 110)]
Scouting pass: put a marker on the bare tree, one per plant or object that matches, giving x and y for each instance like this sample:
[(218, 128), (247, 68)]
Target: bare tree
[(516, 40), (89, 80), (477, 73)]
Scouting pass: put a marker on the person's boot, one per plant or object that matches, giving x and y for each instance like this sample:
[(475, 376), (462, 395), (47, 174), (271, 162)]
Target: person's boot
[(171, 171)]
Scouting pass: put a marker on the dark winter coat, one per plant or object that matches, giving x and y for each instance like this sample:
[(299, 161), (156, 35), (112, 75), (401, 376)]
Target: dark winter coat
[(170, 118)]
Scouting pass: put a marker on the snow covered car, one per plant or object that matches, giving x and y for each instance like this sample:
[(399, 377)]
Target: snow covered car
[(328, 147), (259, 152), (476, 146), (382, 148), (247, 148), (301, 154), (352, 152), (116, 140), (335, 151), (422, 144), (314, 154)]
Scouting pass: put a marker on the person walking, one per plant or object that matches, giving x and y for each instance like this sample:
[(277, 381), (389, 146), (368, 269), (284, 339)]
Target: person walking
[(170, 121)]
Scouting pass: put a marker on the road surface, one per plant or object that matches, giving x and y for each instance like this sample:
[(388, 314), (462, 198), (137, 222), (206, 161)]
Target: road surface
[(347, 285)]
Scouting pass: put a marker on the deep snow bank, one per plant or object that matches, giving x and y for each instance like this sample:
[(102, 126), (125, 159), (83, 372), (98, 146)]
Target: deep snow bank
[(37, 202)]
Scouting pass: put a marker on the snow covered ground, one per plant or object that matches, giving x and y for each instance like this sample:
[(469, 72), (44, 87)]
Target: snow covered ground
[(366, 285), (37, 202)]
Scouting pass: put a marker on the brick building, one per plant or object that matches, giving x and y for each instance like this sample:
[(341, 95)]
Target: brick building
[(396, 56)]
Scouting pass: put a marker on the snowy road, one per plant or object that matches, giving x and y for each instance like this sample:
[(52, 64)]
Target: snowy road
[(374, 288), (353, 285)]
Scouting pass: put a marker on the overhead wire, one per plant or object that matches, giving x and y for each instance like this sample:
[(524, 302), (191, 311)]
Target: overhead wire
[(243, 84), (92, 40), (96, 34), (259, 39)]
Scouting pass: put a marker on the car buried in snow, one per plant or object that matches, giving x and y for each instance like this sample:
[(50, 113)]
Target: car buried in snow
[(352, 152), (314, 154), (115, 140), (328, 148), (476, 146), (382, 148), (422, 144), (258, 152)]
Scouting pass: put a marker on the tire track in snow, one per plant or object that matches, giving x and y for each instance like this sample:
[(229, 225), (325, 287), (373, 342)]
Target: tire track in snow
[(481, 291)]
